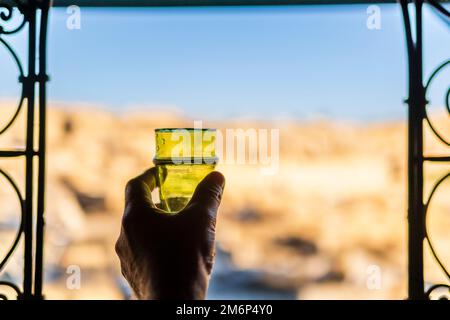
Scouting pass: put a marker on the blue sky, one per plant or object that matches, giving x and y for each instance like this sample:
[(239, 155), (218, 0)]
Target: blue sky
[(226, 62)]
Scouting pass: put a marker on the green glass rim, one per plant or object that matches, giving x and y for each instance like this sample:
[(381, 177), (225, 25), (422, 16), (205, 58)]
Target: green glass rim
[(187, 160), (186, 129)]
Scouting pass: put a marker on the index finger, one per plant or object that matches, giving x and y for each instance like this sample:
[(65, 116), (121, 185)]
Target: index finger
[(139, 189)]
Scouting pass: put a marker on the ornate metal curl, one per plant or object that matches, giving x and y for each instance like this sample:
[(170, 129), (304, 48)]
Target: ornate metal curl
[(447, 102), (427, 235), (21, 76), (7, 16), (435, 287), (12, 286), (20, 229), (16, 239)]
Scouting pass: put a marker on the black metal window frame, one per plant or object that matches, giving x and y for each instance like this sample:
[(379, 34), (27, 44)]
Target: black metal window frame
[(35, 17)]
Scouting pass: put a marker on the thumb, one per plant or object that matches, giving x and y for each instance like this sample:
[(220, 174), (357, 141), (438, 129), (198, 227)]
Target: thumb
[(208, 193)]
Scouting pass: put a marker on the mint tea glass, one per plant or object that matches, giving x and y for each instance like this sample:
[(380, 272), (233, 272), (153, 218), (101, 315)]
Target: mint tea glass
[(184, 156)]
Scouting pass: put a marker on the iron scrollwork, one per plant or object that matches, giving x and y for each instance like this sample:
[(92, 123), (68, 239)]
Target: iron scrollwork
[(16, 238), (446, 99), (417, 102), (20, 228), (7, 13), (33, 244), (21, 76), (417, 210), (436, 186)]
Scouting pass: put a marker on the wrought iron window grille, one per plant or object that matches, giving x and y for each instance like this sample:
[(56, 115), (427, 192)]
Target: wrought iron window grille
[(34, 15)]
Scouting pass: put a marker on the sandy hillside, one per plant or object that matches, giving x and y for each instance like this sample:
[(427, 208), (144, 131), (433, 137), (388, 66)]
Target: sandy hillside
[(329, 220)]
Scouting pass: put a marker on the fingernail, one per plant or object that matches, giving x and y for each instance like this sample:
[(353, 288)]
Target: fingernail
[(218, 178)]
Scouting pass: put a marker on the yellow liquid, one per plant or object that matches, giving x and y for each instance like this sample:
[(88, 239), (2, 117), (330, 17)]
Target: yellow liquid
[(177, 183), (185, 143), (183, 158)]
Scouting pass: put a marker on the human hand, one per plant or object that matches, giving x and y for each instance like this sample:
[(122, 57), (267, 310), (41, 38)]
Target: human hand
[(166, 256)]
